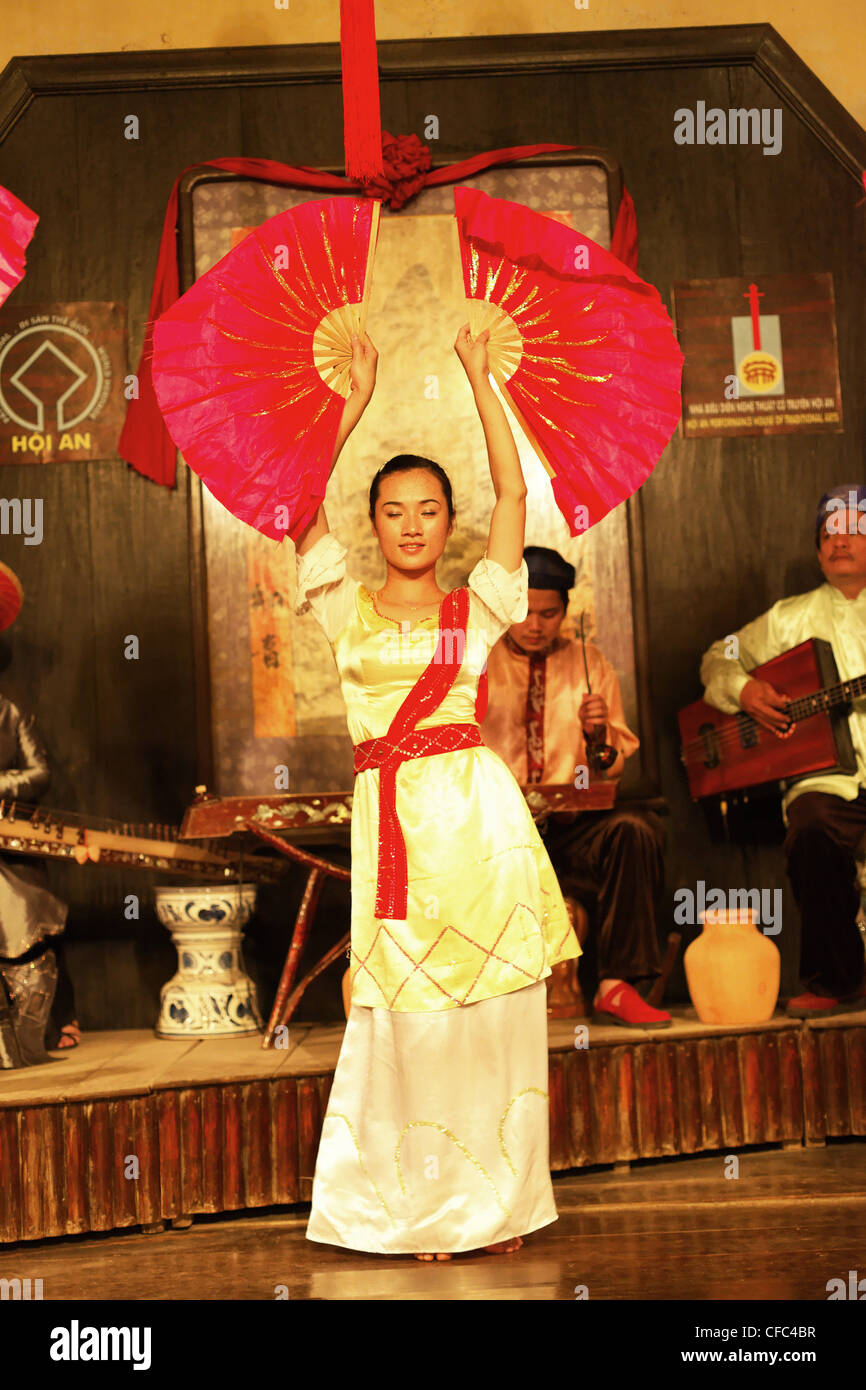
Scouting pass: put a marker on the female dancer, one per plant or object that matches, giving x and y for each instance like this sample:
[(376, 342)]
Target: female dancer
[(436, 1135)]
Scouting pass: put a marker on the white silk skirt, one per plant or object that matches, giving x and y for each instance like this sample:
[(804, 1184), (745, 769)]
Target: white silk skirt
[(436, 1134)]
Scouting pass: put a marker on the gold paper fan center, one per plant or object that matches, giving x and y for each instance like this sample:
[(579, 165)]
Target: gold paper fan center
[(505, 345), (332, 347)]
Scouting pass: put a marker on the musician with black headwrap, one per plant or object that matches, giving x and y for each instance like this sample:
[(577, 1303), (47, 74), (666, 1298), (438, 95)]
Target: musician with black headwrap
[(555, 707)]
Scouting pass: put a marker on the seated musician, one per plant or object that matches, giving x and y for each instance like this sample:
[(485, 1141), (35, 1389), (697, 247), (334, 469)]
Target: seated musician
[(540, 718), (825, 813), (31, 917)]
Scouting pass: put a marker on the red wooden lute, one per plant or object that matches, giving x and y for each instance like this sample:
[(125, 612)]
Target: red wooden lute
[(726, 752)]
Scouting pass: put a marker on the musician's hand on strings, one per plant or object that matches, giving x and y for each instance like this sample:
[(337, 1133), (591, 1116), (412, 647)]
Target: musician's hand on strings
[(473, 354), (593, 715), (767, 705)]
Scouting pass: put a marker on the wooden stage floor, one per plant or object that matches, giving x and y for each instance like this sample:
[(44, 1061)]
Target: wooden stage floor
[(676, 1231), (131, 1130)]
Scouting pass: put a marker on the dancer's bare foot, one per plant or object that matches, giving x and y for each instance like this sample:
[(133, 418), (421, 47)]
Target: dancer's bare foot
[(502, 1247), (505, 1247)]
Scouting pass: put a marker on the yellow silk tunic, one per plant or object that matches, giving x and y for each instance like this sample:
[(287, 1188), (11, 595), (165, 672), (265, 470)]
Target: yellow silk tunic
[(484, 915)]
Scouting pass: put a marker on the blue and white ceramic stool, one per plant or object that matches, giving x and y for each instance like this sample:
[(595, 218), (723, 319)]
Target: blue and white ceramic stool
[(211, 994)]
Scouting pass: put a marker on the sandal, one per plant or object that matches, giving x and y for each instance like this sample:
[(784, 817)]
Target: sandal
[(70, 1036)]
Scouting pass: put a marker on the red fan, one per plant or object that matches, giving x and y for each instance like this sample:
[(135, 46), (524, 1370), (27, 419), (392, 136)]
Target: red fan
[(582, 349), (11, 597), (17, 225), (251, 367)]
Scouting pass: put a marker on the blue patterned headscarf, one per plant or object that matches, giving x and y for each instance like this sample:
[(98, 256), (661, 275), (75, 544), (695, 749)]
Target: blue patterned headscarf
[(854, 494)]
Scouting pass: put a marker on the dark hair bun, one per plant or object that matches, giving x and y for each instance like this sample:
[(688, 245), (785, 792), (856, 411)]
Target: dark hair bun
[(407, 463)]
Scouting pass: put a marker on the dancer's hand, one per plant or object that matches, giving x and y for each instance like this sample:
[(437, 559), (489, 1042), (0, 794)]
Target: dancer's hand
[(473, 354), (363, 376), (364, 360)]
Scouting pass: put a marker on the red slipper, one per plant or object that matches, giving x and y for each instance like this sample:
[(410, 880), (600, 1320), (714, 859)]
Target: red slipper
[(811, 1005), (623, 1005)]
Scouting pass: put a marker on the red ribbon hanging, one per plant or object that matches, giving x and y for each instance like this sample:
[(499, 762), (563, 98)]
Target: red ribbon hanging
[(362, 128), (144, 441)]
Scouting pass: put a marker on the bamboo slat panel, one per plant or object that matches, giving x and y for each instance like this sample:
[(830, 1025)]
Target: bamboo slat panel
[(99, 1162), (650, 1099)]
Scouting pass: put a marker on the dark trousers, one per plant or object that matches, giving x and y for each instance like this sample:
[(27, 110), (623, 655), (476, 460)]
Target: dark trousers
[(63, 1007), (618, 856), (823, 835)]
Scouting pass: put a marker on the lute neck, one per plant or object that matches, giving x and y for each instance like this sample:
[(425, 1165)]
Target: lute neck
[(842, 693)]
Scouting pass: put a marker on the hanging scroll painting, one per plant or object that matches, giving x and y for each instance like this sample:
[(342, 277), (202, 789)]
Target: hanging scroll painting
[(275, 698)]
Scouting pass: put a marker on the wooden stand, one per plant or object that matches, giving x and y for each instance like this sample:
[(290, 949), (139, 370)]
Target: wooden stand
[(286, 1000), (564, 995)]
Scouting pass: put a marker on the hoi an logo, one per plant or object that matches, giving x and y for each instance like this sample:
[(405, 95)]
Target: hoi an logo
[(53, 381)]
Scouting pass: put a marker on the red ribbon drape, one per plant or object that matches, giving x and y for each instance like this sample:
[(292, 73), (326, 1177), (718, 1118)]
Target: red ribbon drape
[(144, 441), (362, 121)]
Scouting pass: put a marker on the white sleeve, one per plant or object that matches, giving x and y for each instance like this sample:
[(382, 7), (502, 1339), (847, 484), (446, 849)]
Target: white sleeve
[(324, 587), (724, 675), (497, 598)]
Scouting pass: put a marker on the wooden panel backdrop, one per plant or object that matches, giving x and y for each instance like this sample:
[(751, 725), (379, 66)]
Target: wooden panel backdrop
[(727, 521)]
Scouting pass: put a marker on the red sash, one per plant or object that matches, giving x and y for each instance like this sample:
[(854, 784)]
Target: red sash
[(403, 740)]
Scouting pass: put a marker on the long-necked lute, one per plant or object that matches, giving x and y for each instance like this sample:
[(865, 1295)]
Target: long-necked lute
[(37, 831), (728, 752)]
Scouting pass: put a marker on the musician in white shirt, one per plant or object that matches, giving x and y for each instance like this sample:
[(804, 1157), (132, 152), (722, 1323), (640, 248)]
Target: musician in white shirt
[(826, 812)]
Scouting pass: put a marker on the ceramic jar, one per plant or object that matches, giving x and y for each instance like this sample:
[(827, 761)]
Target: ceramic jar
[(732, 969)]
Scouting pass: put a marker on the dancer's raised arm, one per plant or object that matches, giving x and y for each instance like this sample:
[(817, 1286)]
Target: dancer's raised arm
[(508, 522), (364, 359)]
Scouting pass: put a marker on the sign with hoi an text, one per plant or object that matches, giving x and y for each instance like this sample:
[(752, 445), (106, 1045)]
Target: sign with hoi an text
[(760, 355), (62, 385)]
